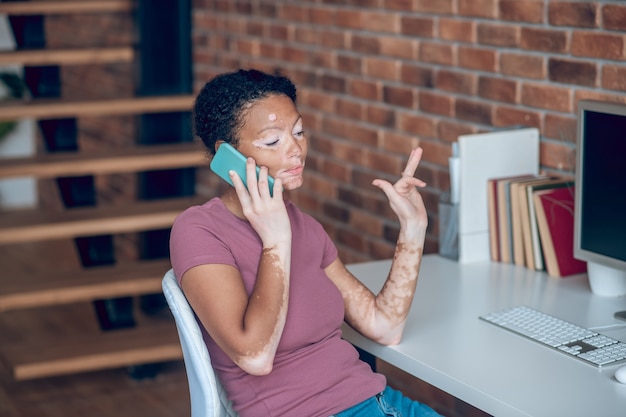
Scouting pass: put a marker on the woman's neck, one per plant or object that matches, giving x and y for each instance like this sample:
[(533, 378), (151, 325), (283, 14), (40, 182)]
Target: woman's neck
[(231, 201)]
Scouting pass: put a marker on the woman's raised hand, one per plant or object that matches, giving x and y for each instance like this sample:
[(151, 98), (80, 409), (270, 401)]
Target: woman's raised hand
[(403, 196)]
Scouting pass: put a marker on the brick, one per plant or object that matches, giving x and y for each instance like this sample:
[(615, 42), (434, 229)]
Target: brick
[(266, 9), (420, 27), (361, 135), (322, 59), (381, 249), (381, 68), (350, 64), (431, 102), (279, 32), (498, 35), (365, 89), (546, 97), (400, 5), (332, 83), (435, 6), (598, 45), (255, 28), (498, 89), (381, 22), (449, 131), (307, 35), (614, 77), (386, 162), (365, 44), (391, 233), (436, 53), (557, 155), (321, 186), (573, 72), (574, 14), (294, 55), (598, 95), (363, 178), (349, 109), (398, 143), (399, 96), (514, 116), (380, 115), (559, 127), (477, 58), (366, 222), (457, 30), (473, 111), (546, 40), (321, 16), (334, 39), (290, 12), (398, 47), (417, 124), (478, 8), (436, 152), (614, 17), (350, 196), (520, 65), (416, 75), (348, 18), (521, 10), (456, 82), (336, 211), (336, 170)]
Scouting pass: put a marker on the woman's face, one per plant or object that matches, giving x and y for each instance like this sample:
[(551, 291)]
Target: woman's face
[(272, 134)]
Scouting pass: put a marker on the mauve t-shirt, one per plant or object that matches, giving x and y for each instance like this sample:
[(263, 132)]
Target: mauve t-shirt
[(316, 372)]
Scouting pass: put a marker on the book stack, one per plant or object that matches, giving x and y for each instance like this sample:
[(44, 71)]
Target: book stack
[(531, 223)]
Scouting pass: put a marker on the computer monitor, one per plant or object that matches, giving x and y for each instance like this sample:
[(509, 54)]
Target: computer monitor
[(600, 198)]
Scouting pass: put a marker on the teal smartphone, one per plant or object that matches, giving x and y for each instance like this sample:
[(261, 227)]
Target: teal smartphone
[(228, 158)]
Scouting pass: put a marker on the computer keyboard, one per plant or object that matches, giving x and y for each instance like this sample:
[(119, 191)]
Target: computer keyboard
[(570, 339)]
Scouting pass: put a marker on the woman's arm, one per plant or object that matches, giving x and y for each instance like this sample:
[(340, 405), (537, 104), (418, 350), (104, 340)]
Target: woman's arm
[(382, 317), (248, 329)]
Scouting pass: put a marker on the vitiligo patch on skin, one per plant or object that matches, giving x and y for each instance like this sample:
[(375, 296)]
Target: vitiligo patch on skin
[(266, 348)]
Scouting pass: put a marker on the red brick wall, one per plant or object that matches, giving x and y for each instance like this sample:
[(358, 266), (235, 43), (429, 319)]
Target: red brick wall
[(380, 76)]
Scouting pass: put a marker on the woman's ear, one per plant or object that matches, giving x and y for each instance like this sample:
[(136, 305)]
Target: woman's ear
[(217, 144)]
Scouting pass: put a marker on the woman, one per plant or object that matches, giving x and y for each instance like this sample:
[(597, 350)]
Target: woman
[(264, 278)]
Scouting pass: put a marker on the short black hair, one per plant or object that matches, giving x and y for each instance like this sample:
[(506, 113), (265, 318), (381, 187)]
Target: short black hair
[(222, 102)]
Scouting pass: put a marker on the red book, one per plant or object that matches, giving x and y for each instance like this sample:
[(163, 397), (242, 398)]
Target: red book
[(555, 219)]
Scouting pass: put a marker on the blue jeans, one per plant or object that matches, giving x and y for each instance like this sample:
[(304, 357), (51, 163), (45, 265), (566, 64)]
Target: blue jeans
[(389, 403)]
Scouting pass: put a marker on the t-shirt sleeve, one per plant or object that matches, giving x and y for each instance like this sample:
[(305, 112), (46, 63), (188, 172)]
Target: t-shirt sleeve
[(194, 240)]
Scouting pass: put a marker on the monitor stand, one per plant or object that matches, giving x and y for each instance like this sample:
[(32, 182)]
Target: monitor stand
[(606, 281)]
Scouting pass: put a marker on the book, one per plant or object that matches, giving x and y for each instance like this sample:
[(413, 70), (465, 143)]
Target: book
[(532, 244), (554, 209), (519, 214), (492, 209), (505, 224)]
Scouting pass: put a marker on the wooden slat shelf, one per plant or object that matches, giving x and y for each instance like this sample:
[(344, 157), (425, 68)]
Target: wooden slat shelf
[(54, 109), (65, 7), (54, 288), (147, 343), (32, 225), (68, 56), (134, 159)]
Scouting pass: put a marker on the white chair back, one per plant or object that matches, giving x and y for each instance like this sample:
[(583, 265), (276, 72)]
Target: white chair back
[(208, 397)]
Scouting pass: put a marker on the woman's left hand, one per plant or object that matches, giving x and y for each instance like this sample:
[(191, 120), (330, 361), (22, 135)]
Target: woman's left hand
[(403, 196)]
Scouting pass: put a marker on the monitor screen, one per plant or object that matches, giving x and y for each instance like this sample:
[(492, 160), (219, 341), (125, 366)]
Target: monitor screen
[(600, 204)]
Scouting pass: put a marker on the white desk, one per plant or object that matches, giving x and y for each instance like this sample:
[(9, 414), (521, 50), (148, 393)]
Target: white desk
[(503, 374)]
